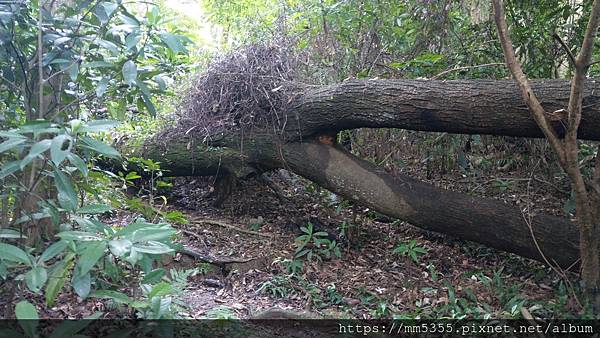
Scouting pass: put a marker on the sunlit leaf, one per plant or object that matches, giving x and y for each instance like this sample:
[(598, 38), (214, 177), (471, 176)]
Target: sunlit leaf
[(119, 247), (129, 72), (98, 126), (102, 86), (174, 42), (57, 153)]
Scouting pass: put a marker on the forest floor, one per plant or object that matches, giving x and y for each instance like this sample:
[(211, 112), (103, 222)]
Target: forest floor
[(259, 225), (449, 278)]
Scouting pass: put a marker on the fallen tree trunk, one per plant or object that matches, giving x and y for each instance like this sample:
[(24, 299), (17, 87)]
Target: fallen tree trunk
[(472, 107), (462, 107), (474, 218)]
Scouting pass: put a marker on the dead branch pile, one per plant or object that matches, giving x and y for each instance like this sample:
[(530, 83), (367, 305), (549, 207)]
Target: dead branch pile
[(245, 89)]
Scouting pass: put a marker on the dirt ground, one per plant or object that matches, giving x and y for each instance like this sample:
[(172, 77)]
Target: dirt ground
[(367, 276)]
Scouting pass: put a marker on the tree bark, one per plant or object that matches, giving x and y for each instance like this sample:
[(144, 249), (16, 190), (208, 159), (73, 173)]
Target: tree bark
[(472, 107), (458, 106)]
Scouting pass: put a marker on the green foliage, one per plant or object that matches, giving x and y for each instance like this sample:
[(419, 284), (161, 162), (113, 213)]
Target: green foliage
[(84, 253), (158, 300), (290, 266), (410, 249), (315, 244), (278, 286), (68, 74)]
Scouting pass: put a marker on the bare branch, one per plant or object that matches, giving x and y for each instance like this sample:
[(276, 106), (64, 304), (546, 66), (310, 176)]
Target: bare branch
[(564, 46)]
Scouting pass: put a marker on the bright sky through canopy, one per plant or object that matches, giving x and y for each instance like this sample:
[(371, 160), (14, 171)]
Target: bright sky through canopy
[(192, 9)]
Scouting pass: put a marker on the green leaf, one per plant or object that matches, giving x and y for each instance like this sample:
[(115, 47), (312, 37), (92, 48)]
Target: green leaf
[(90, 256), (27, 316), (173, 42), (11, 134), (36, 150), (119, 247), (98, 64), (132, 228), (94, 209), (149, 105), (132, 176), (53, 250), (132, 39), (74, 71), (11, 233), (162, 85), (108, 45), (57, 279), (102, 86), (78, 236), (36, 127), (11, 143), (98, 126), (152, 234), (57, 154), (160, 289), (100, 147), (78, 163), (14, 254), (10, 168), (129, 72), (67, 197), (154, 248), (36, 278), (154, 276), (25, 310), (109, 8), (82, 284)]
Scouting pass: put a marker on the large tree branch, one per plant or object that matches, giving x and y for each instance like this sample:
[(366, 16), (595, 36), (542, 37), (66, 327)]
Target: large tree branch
[(457, 106)]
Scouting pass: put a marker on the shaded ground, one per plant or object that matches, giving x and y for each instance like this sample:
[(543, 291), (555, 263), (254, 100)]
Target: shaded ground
[(367, 281)]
